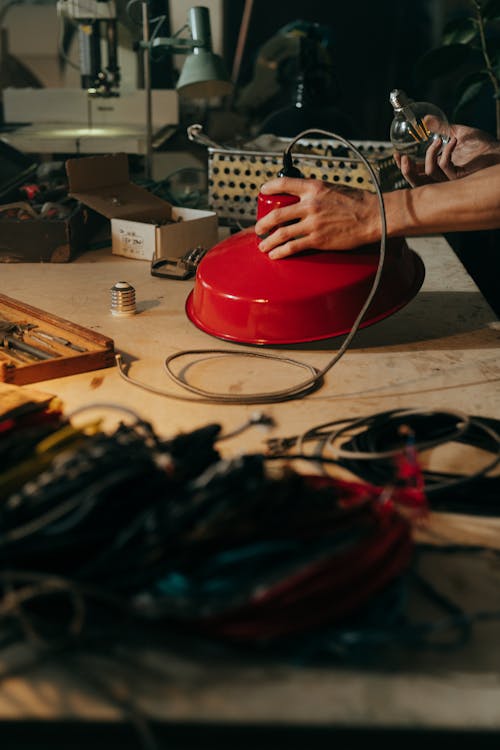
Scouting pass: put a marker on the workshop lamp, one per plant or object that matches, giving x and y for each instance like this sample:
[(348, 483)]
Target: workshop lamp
[(241, 295), (203, 74)]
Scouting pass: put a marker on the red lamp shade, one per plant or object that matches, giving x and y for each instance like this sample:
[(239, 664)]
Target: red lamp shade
[(241, 295)]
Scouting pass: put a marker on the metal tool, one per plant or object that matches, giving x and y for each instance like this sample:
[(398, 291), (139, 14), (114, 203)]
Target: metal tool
[(12, 342), (19, 357), (46, 347), (123, 300), (38, 334), (15, 332), (178, 268), (7, 326)]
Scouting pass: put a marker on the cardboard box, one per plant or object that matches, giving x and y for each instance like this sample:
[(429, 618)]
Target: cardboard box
[(47, 241), (38, 240), (143, 226)]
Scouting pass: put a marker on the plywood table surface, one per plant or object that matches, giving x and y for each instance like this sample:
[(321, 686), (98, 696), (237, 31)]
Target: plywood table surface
[(441, 351)]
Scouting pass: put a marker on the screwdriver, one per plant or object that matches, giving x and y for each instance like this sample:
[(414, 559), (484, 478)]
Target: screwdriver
[(57, 340), (11, 342)]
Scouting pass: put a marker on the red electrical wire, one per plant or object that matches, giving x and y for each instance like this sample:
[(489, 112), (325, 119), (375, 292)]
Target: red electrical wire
[(326, 591)]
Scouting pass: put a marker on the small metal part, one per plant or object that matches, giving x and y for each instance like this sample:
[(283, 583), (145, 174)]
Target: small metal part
[(123, 300), (196, 135), (398, 99), (47, 347), (278, 445), (256, 418), (260, 417), (11, 342), (178, 268), (57, 340), (12, 358), (7, 326)]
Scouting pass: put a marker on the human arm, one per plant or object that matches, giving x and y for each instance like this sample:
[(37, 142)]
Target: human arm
[(331, 217)]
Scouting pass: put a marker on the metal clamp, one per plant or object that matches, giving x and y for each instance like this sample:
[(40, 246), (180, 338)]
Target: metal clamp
[(196, 135), (178, 268)]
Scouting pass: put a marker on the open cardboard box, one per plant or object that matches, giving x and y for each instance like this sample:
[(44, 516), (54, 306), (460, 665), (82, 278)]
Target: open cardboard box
[(37, 239), (50, 240), (143, 226)]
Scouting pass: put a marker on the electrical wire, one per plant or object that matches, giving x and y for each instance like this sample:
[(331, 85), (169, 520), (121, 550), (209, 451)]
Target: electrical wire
[(462, 423), (437, 483), (370, 450), (257, 418), (228, 552), (111, 406), (212, 398), (316, 375)]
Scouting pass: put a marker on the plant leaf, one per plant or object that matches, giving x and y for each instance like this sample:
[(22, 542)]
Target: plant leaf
[(459, 31), (441, 60)]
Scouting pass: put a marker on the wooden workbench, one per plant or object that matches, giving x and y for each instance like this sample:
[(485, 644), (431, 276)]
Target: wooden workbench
[(441, 351)]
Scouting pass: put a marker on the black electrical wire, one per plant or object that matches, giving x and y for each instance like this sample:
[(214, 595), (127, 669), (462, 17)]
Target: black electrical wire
[(315, 380), (374, 441), (233, 534), (379, 434)]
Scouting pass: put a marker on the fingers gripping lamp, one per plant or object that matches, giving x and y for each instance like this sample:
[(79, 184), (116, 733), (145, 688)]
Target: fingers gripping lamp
[(203, 74), (241, 295)]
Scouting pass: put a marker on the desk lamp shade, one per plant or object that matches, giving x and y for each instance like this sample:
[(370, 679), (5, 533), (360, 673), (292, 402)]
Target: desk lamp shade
[(204, 73), (241, 295)]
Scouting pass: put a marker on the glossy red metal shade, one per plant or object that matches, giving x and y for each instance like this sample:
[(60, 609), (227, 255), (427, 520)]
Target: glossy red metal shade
[(241, 295)]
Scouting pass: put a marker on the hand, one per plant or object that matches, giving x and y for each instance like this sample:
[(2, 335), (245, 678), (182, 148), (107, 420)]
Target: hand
[(467, 151), (326, 217)]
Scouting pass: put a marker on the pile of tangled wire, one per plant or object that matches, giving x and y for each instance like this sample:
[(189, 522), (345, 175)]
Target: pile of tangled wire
[(165, 531)]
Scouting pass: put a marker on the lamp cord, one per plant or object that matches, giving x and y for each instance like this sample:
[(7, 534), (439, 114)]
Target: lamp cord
[(314, 381)]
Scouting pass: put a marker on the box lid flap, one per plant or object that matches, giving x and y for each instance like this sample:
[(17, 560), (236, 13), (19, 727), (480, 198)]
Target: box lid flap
[(102, 182)]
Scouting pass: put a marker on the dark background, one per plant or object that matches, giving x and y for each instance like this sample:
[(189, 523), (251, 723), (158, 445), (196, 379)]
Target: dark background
[(373, 48)]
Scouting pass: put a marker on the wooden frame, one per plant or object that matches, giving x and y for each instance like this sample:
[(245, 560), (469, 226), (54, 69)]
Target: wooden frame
[(85, 350)]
